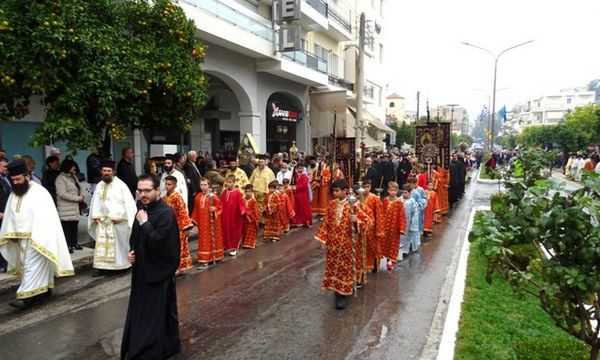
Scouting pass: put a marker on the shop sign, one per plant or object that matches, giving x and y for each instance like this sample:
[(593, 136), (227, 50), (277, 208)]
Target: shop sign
[(282, 114)]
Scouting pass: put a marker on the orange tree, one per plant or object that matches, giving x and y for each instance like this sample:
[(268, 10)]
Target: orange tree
[(99, 67)]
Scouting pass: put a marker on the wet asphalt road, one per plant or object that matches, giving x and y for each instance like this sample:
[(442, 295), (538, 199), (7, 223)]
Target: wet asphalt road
[(264, 304)]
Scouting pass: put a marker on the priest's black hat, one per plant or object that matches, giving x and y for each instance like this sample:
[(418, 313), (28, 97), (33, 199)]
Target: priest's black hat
[(108, 163), (171, 157), (17, 167)]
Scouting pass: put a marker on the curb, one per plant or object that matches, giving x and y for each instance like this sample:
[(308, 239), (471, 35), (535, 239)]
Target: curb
[(486, 181), (451, 323)]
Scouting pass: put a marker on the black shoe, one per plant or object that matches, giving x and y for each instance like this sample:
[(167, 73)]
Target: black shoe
[(78, 247), (98, 273), (340, 301), (70, 250), (47, 294), (19, 304), (359, 285)]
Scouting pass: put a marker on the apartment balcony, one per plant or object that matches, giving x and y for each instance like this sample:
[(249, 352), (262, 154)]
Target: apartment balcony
[(238, 29), (341, 83), (340, 24), (299, 66), (314, 15)]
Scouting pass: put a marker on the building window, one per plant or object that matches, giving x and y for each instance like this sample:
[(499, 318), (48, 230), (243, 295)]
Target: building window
[(334, 64), (381, 53), (392, 104), (569, 100), (304, 44), (321, 52)]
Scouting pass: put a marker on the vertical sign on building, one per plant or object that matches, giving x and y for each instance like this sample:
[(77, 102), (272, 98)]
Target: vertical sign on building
[(288, 10)]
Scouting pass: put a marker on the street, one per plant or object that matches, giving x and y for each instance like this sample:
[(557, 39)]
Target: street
[(265, 303)]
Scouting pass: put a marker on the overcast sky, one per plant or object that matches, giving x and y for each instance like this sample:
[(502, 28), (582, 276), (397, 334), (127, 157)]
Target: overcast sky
[(424, 51)]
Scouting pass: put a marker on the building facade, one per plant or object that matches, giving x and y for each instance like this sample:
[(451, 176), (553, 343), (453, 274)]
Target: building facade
[(394, 110), (550, 109), (455, 114)]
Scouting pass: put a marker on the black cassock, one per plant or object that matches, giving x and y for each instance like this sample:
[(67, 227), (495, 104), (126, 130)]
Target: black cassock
[(455, 183), (152, 328)]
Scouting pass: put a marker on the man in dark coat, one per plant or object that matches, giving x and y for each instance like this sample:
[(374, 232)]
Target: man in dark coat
[(126, 171), (462, 168), (404, 169), (386, 173), (5, 188), (369, 173), (192, 177), (455, 173), (93, 169), (50, 174), (151, 328)]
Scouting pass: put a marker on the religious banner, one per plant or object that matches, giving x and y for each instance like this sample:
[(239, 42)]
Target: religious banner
[(343, 152), (432, 143)]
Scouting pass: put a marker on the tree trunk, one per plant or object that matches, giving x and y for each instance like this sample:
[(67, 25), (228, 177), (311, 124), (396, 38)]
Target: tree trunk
[(595, 351)]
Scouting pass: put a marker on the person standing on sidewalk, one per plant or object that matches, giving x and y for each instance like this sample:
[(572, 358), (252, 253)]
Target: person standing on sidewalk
[(92, 163), (152, 325), (5, 188), (31, 238), (112, 211), (68, 198), (126, 171)]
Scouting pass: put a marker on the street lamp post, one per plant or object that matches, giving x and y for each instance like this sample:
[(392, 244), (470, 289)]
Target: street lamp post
[(496, 57)]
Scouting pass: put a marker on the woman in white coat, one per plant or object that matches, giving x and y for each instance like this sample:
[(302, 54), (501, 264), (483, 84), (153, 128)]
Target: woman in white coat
[(68, 198)]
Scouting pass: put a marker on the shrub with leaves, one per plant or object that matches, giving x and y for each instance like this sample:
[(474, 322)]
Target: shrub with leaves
[(545, 241)]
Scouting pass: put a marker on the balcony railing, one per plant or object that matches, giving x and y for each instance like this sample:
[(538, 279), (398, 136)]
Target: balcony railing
[(320, 6), (307, 59), (337, 17), (234, 17), (342, 83)]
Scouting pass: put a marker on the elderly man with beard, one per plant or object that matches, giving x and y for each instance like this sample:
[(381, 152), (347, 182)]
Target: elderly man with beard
[(31, 238), (241, 179), (171, 169), (112, 211)]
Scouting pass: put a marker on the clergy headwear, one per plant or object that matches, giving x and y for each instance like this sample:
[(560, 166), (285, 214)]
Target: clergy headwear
[(171, 157), (17, 167), (107, 164)]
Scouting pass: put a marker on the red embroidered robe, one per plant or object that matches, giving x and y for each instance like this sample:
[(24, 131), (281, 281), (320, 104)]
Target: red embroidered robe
[(271, 214), (232, 218), (251, 224), (210, 233), (343, 263), (175, 201), (393, 226), (431, 210)]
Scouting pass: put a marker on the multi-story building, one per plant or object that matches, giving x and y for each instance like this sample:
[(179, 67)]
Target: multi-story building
[(550, 109), (394, 110), (455, 114)]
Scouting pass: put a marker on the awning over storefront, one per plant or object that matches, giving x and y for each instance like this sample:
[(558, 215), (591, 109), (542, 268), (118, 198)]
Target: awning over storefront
[(372, 120)]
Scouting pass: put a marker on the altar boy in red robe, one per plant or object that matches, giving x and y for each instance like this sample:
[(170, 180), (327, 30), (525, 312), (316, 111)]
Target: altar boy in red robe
[(232, 219), (432, 210), (343, 261), (250, 229), (271, 210), (286, 209), (303, 216)]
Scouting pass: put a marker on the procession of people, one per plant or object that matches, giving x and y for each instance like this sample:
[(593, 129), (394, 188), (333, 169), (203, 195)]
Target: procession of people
[(368, 220)]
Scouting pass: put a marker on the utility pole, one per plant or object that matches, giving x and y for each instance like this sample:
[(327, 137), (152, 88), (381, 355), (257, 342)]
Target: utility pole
[(360, 74)]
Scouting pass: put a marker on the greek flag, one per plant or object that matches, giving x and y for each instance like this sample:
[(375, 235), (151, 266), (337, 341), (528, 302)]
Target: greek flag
[(484, 113)]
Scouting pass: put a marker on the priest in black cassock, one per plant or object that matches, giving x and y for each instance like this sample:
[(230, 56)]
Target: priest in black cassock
[(151, 328)]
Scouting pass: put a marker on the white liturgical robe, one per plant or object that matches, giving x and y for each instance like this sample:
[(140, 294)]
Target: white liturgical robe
[(112, 211), (32, 241)]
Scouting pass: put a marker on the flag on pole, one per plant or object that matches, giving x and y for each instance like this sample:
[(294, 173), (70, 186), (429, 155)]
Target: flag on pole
[(502, 113), (484, 113)]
